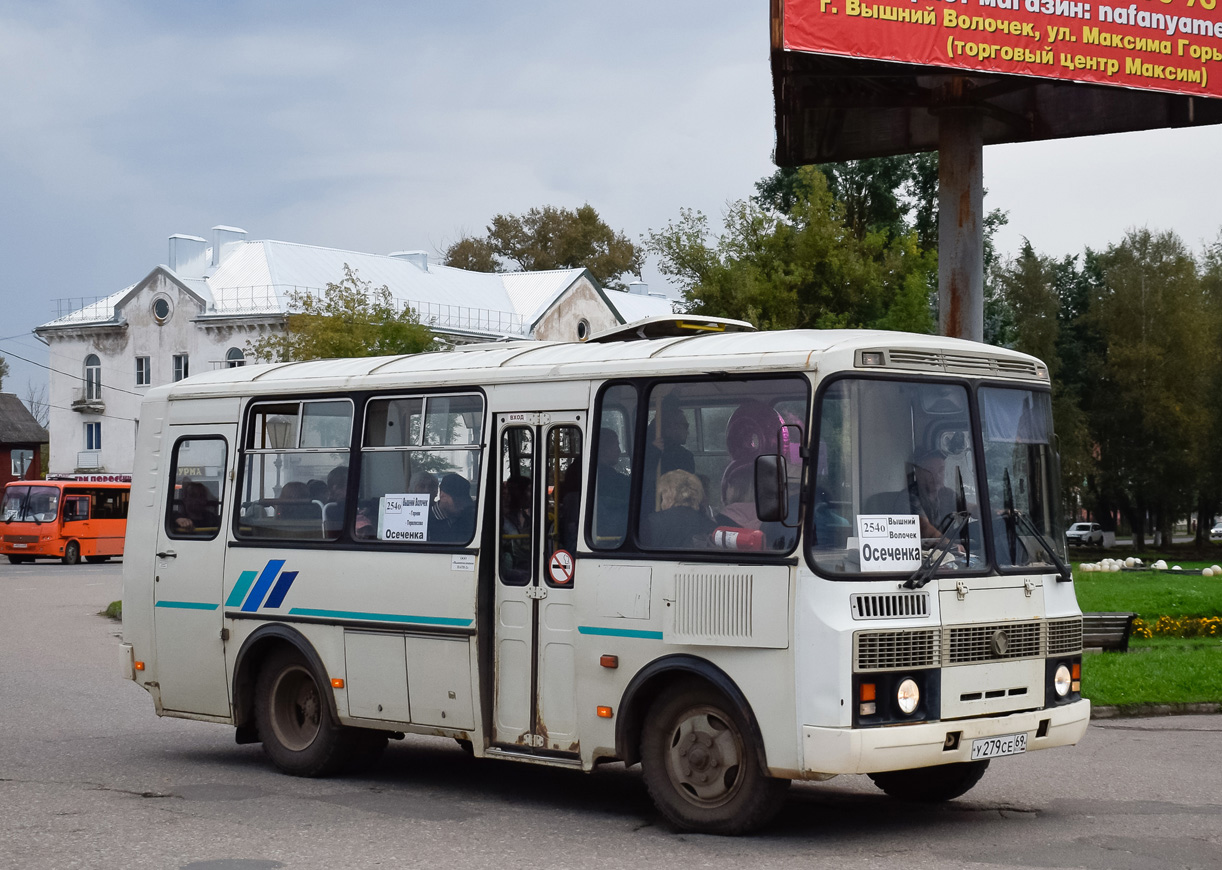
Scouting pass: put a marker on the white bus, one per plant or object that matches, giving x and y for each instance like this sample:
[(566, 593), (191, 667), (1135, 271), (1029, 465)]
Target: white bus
[(738, 558)]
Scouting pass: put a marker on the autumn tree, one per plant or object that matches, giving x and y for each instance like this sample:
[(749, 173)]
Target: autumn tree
[(348, 319), (550, 238)]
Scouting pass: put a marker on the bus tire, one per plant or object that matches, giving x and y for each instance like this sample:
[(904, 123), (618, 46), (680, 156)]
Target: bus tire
[(294, 720), (701, 766), (72, 553), (931, 784)]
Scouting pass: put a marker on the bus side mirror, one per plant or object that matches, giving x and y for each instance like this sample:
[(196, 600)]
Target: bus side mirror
[(771, 488)]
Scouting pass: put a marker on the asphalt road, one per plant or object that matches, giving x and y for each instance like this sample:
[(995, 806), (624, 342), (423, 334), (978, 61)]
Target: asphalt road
[(90, 777)]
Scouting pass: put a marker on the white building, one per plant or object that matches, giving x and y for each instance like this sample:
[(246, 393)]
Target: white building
[(200, 310)]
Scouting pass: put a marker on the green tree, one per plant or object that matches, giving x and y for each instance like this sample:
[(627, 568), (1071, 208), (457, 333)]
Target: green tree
[(349, 319), (1150, 412), (550, 238), (788, 258)]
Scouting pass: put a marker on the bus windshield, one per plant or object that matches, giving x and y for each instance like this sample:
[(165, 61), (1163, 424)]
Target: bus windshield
[(30, 504), (896, 476), (1019, 461)]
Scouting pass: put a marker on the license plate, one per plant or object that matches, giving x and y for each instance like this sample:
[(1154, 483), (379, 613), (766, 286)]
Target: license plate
[(19, 546), (995, 747)]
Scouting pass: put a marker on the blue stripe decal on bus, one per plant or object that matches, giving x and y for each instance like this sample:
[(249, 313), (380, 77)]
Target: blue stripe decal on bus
[(270, 570), (381, 617), (239, 591), (281, 589), (619, 632), (188, 605)]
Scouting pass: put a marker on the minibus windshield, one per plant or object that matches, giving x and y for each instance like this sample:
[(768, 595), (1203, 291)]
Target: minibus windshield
[(30, 504)]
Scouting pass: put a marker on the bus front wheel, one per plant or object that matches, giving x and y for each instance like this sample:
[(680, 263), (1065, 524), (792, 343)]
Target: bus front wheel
[(299, 734), (702, 768), (931, 784), (72, 553)]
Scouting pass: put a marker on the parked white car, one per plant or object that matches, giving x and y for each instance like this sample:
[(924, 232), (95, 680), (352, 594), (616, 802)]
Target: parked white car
[(1216, 532), (1083, 534)]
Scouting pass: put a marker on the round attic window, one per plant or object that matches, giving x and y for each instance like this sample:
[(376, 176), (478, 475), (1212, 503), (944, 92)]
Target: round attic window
[(161, 309), (583, 329)]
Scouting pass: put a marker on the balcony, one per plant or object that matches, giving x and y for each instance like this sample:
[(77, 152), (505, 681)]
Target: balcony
[(88, 400)]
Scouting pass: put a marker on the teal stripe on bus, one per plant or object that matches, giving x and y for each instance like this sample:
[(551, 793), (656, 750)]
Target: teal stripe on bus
[(188, 605), (380, 617), (619, 632), (240, 590)]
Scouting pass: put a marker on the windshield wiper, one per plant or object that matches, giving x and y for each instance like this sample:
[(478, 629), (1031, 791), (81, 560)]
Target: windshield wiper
[(924, 574), (1062, 569)]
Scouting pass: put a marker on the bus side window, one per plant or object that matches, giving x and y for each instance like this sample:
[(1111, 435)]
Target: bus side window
[(76, 507), (614, 468), (197, 488)]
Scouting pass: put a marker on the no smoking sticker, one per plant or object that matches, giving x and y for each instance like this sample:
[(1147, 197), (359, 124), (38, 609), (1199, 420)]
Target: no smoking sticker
[(560, 567)]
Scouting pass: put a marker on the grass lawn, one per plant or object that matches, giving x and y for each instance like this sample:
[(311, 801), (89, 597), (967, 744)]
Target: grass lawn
[(1151, 594), (1159, 670), (1155, 671)]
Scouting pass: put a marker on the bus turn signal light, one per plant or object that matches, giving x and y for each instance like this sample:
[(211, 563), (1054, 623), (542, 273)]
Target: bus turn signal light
[(867, 692), (337, 682), (609, 661), (139, 666), (604, 712)]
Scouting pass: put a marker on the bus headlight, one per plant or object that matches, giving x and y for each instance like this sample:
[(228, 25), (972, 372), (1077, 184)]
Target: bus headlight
[(1061, 681), (908, 695)]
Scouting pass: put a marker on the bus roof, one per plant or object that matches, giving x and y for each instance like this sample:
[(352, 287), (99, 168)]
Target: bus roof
[(702, 352)]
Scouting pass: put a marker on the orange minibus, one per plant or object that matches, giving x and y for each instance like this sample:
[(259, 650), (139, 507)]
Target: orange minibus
[(67, 520)]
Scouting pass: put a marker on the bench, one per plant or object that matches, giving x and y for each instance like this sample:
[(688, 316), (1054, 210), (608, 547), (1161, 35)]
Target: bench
[(1108, 631)]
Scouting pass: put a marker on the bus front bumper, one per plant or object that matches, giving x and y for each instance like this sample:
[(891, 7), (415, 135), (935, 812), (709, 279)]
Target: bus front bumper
[(901, 747)]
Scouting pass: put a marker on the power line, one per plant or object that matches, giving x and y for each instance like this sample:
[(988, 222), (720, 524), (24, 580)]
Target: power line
[(68, 374)]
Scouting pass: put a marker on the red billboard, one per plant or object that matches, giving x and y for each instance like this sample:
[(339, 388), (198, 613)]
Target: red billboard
[(1163, 45)]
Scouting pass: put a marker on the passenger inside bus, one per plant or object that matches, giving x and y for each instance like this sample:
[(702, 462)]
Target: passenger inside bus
[(681, 522), (516, 529), (195, 513), (456, 522), (611, 488), (665, 452)]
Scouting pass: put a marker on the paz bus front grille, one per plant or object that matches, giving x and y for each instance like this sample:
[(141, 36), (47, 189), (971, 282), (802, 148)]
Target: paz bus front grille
[(965, 644)]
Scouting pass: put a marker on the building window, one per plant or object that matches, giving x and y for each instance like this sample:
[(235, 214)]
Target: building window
[(234, 357), (22, 459), (182, 368), (161, 309), (144, 371), (93, 378), (93, 436)]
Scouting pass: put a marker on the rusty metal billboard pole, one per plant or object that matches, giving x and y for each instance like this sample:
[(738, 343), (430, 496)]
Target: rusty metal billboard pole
[(960, 213)]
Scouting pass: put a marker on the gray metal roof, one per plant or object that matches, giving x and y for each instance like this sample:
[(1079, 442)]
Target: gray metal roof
[(258, 277)]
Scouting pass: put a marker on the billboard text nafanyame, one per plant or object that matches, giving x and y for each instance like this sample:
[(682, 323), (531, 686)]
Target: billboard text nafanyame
[(1165, 45)]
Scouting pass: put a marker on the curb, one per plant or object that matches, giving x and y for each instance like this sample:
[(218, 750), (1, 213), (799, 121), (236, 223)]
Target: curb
[(1135, 710)]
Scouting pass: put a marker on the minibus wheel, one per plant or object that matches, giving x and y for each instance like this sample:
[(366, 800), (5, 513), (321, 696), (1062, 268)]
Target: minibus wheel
[(294, 719), (72, 553), (931, 784), (701, 766)]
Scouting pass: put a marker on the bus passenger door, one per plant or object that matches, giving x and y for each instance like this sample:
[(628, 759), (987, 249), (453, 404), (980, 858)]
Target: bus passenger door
[(188, 611), (540, 473)]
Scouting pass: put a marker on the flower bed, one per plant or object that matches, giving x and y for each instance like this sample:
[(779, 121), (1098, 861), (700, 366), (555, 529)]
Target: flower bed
[(1178, 626)]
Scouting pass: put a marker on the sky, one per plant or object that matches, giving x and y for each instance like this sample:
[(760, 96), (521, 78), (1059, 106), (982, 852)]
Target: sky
[(385, 126)]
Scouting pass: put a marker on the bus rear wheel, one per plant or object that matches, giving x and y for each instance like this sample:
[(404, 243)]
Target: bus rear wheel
[(72, 553), (299, 733), (931, 784), (702, 768)]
